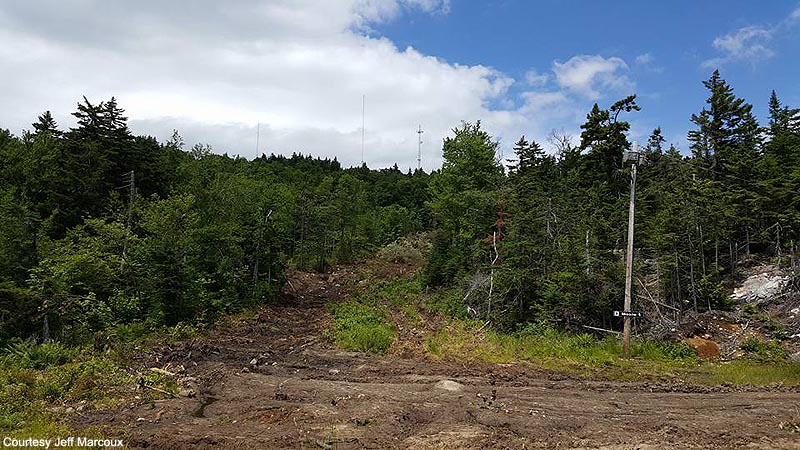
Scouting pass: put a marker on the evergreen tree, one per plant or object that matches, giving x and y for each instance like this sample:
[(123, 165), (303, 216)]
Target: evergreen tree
[(727, 137), (463, 197), (46, 125)]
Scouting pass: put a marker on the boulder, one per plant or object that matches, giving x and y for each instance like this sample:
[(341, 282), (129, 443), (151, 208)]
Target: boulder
[(449, 385), (760, 288)]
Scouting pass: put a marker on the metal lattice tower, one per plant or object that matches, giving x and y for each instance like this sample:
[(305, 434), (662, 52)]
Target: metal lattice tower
[(419, 148)]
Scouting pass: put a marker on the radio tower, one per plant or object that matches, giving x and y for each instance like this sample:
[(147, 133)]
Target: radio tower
[(419, 148), (363, 113)]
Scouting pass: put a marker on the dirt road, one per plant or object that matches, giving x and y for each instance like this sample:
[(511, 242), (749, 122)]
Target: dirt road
[(275, 382)]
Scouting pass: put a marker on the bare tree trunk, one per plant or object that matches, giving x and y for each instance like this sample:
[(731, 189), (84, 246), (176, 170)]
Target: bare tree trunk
[(588, 262), (491, 273), (747, 247), (702, 250), (46, 331)]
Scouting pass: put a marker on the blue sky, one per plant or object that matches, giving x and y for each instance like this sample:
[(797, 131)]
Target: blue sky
[(294, 72), (673, 41)]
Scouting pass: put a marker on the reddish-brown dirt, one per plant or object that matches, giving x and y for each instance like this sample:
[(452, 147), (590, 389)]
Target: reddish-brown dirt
[(705, 348), (274, 381)]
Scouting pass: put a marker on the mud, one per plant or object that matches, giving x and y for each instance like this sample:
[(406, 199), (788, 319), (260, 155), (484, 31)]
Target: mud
[(274, 381)]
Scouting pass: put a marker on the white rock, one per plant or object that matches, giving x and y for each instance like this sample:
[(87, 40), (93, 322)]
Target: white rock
[(449, 385), (760, 288)]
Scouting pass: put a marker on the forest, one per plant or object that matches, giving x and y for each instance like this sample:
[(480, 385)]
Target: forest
[(101, 227)]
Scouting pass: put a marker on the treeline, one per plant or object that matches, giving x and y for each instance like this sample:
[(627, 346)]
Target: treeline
[(545, 240), (101, 227)]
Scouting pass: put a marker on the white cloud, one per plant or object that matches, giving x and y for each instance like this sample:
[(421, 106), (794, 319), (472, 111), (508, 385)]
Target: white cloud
[(534, 78), (747, 44), (537, 101), (750, 44), (214, 71), (298, 67), (644, 59), (795, 15), (586, 74)]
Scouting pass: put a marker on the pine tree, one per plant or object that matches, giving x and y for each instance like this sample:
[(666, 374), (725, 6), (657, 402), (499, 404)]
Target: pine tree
[(46, 125), (727, 137), (655, 143)]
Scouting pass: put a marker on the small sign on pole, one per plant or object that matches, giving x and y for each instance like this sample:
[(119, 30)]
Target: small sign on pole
[(627, 314)]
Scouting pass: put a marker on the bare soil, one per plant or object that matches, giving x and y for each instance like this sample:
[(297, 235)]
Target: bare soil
[(275, 381)]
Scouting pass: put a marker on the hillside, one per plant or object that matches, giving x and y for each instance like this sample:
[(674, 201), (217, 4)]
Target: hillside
[(274, 378)]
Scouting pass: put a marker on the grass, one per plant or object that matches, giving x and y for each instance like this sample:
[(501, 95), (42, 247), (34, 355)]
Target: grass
[(582, 355), (361, 327), (398, 292), (406, 292)]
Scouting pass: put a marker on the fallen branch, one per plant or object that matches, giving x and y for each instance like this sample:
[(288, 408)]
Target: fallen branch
[(143, 385), (162, 371), (302, 346), (602, 329)]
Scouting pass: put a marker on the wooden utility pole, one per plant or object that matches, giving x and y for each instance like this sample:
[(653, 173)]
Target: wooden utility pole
[(626, 330)]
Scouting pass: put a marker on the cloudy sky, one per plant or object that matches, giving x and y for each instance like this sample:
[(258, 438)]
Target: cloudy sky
[(214, 70)]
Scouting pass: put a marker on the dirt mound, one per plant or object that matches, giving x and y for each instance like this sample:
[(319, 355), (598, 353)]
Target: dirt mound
[(705, 348)]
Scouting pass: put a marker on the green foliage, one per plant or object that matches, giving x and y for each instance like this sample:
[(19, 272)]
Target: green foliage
[(33, 376), (447, 301), (712, 293), (398, 291), (543, 345), (410, 250), (463, 199), (764, 351), (198, 235), (25, 355), (361, 327), (102, 228), (654, 350)]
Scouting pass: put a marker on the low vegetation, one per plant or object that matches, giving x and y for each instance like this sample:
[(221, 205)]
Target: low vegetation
[(452, 333), (361, 327), (585, 356), (38, 383)]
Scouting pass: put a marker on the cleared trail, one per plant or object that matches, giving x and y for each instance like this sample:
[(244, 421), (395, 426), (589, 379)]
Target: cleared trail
[(274, 381)]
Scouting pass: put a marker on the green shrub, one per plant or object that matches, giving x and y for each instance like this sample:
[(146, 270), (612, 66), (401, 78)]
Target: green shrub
[(403, 251), (663, 350), (764, 351), (361, 327), (131, 332), (30, 356), (399, 292), (448, 302), (182, 331), (31, 376)]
